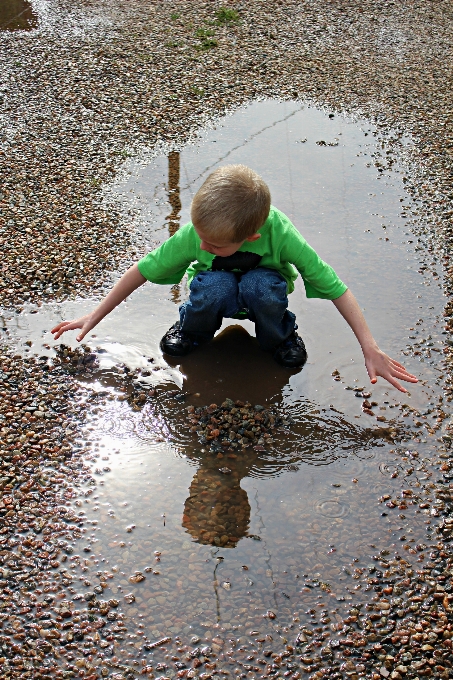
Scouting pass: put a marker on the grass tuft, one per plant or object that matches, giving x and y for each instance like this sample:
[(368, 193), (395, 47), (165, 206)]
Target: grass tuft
[(206, 44), (197, 90), (225, 15), (203, 33)]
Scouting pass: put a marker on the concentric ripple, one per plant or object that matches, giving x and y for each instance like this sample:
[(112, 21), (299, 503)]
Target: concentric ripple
[(332, 507)]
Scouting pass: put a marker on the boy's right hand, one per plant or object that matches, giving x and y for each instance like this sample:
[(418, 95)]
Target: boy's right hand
[(129, 282), (86, 323)]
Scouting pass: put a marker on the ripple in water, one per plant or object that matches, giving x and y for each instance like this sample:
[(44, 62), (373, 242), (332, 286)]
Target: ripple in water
[(317, 438), (331, 507), (346, 469), (388, 469), (394, 470)]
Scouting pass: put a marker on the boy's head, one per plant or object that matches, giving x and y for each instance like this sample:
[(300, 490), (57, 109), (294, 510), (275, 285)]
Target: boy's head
[(229, 208)]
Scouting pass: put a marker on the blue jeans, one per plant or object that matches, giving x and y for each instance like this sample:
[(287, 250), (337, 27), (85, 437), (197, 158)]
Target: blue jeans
[(215, 295)]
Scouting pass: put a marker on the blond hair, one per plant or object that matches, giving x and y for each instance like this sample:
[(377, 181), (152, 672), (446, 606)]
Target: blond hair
[(232, 204)]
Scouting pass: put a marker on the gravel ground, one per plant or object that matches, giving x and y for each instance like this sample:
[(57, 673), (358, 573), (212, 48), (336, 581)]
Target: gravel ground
[(96, 84)]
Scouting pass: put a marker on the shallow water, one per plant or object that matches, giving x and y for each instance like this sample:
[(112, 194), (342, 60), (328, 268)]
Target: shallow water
[(309, 505), (17, 15)]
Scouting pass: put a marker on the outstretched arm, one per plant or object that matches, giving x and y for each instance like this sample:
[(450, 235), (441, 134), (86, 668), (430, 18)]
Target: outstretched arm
[(376, 362), (129, 282)]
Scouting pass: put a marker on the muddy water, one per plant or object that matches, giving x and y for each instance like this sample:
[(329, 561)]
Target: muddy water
[(17, 15), (301, 510)]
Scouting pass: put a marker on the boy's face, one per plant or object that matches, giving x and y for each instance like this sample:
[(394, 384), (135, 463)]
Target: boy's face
[(220, 248)]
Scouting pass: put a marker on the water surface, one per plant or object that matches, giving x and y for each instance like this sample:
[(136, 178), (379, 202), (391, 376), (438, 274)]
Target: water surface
[(17, 15)]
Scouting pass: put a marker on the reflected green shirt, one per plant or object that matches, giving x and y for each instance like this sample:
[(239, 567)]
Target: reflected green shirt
[(280, 247)]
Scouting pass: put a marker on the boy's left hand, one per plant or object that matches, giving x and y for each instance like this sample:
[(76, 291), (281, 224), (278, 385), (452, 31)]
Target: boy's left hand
[(376, 361), (380, 364)]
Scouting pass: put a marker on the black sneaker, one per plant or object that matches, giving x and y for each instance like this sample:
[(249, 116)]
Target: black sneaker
[(291, 353), (175, 342)]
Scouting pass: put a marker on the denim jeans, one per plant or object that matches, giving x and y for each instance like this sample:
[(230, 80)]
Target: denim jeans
[(215, 295)]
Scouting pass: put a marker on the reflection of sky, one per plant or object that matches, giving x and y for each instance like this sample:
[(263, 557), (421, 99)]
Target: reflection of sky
[(335, 198), (296, 517), (217, 510)]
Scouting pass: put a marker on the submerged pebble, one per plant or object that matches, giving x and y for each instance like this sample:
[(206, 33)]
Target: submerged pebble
[(235, 425)]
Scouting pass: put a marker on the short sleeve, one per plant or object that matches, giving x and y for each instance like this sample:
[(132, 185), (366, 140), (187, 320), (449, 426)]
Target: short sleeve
[(168, 263), (320, 280)]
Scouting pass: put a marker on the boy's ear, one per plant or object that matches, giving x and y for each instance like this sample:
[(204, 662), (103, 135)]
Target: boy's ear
[(254, 237)]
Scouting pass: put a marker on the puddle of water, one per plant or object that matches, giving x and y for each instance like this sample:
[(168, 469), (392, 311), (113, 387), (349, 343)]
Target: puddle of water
[(343, 207), (17, 15), (302, 510)]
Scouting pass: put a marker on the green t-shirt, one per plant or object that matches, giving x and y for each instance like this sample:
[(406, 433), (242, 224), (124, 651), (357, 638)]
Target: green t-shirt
[(280, 247)]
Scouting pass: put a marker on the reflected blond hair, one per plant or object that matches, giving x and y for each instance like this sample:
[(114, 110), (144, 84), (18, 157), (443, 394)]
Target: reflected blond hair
[(232, 204)]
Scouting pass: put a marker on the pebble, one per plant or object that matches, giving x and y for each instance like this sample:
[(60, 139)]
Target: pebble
[(235, 426)]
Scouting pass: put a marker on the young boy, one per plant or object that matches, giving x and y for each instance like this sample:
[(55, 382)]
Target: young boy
[(239, 253)]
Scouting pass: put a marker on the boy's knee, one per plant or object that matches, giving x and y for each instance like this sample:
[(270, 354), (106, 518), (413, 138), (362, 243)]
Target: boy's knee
[(214, 286), (264, 286)]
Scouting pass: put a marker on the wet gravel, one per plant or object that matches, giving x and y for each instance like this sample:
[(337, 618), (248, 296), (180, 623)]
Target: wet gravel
[(234, 424), (89, 88)]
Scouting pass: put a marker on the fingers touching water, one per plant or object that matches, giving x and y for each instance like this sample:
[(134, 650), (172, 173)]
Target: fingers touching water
[(380, 364), (85, 323)]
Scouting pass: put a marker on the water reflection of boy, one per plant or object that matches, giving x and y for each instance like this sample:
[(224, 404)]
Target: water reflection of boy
[(217, 511), (239, 253)]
